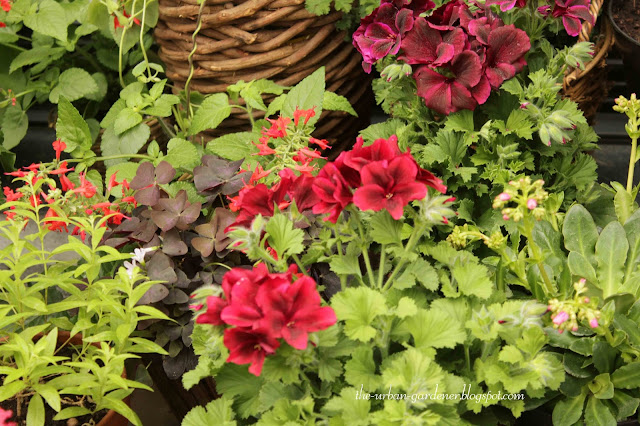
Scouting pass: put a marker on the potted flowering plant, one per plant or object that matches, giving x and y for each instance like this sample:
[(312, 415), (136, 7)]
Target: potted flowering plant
[(69, 314)]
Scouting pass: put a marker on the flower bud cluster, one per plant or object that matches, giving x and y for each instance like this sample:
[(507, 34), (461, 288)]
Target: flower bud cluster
[(437, 209), (630, 107), (396, 71), (522, 198), (566, 315)]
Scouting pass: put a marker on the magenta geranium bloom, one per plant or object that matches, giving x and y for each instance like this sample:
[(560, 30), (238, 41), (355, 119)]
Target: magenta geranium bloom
[(506, 5), (573, 12), (427, 45), (379, 150), (293, 311), (389, 185), (333, 189), (447, 94), (505, 54)]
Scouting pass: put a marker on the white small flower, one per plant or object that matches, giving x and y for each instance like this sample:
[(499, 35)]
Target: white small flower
[(130, 266), (139, 253)]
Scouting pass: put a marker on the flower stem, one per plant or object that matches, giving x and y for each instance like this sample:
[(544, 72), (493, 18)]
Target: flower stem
[(413, 239), (365, 251), (112, 157), (632, 164), (190, 59), (383, 254)]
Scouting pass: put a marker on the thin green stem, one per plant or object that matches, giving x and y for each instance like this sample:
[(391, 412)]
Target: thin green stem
[(111, 157), (383, 254), (120, 55), (13, 46), (299, 263), (632, 164), (365, 249), (535, 251), (142, 23), (467, 358), (413, 239), (187, 88)]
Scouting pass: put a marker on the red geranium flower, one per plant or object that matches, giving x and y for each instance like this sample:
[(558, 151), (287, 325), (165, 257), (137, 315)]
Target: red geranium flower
[(573, 12), (506, 5), (6, 5), (446, 94), (293, 311), (3, 25), (332, 189), (212, 315), (248, 346), (360, 155), (505, 55), (426, 45), (389, 185)]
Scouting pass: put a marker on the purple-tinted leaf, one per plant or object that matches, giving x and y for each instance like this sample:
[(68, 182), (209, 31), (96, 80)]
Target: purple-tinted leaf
[(236, 183), (176, 296), (146, 232), (144, 176), (148, 196), (187, 330), (189, 215), (183, 281), (172, 244), (155, 294), (205, 181), (160, 268), (165, 173), (204, 245), (164, 220)]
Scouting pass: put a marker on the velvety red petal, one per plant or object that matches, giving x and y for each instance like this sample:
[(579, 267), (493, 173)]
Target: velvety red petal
[(507, 44), (467, 68), (498, 74), (212, 315), (572, 25), (482, 90), (403, 169), (296, 337), (370, 197), (240, 315), (376, 174), (445, 54), (432, 87), (421, 43), (404, 20)]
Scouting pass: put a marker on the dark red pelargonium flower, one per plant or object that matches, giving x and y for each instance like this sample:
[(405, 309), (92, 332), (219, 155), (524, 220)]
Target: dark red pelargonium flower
[(505, 55), (333, 190), (293, 311), (427, 45), (248, 346), (447, 94), (573, 12), (389, 185), (506, 5)]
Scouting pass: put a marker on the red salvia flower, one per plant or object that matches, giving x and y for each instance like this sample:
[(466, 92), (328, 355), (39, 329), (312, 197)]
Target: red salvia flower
[(11, 195), (61, 169), (322, 143), (58, 147), (86, 188), (112, 182), (306, 113), (278, 127), (55, 225), (66, 184)]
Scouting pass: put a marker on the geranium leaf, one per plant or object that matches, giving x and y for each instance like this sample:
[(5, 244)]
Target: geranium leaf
[(217, 412), (361, 369), (359, 307), (433, 328), (283, 238)]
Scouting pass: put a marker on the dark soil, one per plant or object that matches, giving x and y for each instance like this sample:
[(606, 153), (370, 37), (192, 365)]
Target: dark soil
[(10, 404), (627, 17)]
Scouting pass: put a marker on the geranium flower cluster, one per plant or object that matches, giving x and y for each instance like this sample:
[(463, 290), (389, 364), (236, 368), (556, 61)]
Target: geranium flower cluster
[(458, 56), (5, 415), (289, 141), (263, 307), (572, 12), (374, 177), (522, 197), (75, 199)]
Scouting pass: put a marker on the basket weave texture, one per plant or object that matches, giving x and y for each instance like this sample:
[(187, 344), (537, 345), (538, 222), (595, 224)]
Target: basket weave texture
[(252, 39), (589, 87)]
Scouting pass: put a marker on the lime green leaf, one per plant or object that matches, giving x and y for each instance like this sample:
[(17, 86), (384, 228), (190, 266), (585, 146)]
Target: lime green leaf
[(580, 232), (71, 127), (210, 114), (69, 412), (235, 381), (611, 254), (360, 370), (385, 229), (283, 238), (35, 55), (415, 373), (127, 143), (333, 102), (275, 105), (73, 84), (510, 354), (473, 280), (359, 307), (14, 126), (234, 146), (307, 94), (433, 328), (217, 412), (182, 154), (50, 20), (351, 407), (126, 119), (35, 411)]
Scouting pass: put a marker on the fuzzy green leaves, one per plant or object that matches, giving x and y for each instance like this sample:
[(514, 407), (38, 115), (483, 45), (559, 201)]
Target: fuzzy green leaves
[(358, 308), (210, 114), (71, 127)]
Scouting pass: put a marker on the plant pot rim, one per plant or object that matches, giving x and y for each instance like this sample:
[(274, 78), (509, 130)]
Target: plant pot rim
[(617, 28), (111, 418)]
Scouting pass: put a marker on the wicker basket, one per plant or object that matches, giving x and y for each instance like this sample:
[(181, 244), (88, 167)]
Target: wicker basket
[(588, 87), (253, 39)]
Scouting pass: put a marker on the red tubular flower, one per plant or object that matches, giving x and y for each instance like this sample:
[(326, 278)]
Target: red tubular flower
[(81, 232), (278, 127), (61, 169), (135, 20), (322, 143), (130, 200), (249, 347), (55, 225), (116, 23), (5, 415), (389, 185), (306, 113), (293, 311), (58, 147), (17, 173), (258, 174), (86, 188), (66, 184), (11, 195), (112, 182)]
